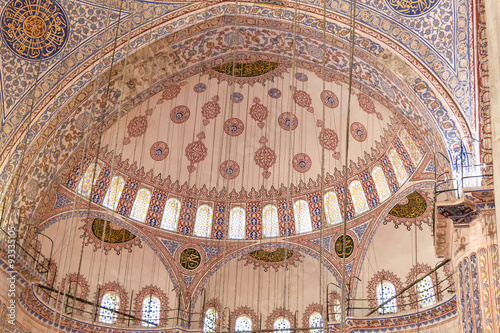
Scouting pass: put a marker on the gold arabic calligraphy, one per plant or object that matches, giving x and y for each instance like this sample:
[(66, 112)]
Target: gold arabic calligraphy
[(190, 259)]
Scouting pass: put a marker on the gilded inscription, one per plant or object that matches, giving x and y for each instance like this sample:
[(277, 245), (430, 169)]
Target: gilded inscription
[(190, 259), (277, 255), (349, 246), (34, 29), (113, 234), (415, 207), (250, 69), (412, 7)]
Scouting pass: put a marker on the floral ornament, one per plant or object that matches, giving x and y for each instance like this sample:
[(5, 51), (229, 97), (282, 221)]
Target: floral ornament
[(210, 110), (288, 121), (358, 132), (301, 162), (137, 126), (265, 157), (196, 151), (229, 169), (180, 114), (171, 92), (159, 151), (302, 99), (259, 112), (329, 99), (328, 139), (367, 105), (234, 127), (108, 235)]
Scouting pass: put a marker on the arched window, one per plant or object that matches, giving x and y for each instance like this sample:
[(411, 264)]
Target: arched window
[(332, 209), (316, 321), (88, 180), (151, 311), (109, 305), (358, 197), (141, 205), (385, 291), (381, 183), (302, 217), (203, 223), (114, 192), (270, 226), (243, 324), (237, 223), (337, 309), (399, 168), (210, 321), (425, 292), (281, 325), (411, 146), (171, 214)]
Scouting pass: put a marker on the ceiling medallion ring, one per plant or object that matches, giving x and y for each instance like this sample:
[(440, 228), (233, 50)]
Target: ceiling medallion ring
[(229, 169), (288, 121), (159, 151), (34, 29), (301, 162), (191, 258), (412, 7), (234, 127)]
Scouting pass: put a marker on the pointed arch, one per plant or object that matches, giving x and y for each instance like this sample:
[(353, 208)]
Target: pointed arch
[(114, 193), (171, 214), (237, 223), (332, 208), (88, 180), (141, 205), (381, 183), (302, 217), (399, 168), (358, 197), (203, 223), (385, 292), (270, 226)]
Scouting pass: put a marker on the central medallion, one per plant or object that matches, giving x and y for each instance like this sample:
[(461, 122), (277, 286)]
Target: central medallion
[(412, 7), (34, 29)]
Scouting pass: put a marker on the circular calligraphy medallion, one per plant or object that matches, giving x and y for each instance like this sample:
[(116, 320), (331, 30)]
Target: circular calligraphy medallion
[(412, 7), (233, 127), (301, 162), (180, 114), (329, 99), (159, 151), (34, 30), (358, 132), (190, 259), (349, 246), (288, 121), (229, 169)]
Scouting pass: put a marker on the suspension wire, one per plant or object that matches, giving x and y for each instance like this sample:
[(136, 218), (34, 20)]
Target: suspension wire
[(346, 169), (322, 179)]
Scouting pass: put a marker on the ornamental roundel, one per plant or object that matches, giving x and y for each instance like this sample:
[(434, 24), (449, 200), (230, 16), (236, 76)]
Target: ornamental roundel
[(159, 151), (329, 139), (200, 87), (137, 126), (210, 110), (301, 77), (229, 169), (180, 114), (349, 246), (259, 112), (412, 7), (190, 259), (274, 93), (233, 127), (34, 29), (301, 162), (303, 99), (358, 132), (237, 97), (329, 99), (288, 121), (171, 92)]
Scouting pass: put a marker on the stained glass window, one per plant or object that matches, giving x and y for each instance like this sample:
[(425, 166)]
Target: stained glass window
[(237, 223), (381, 183), (281, 325), (425, 292), (332, 209), (302, 217), (109, 304), (399, 168), (88, 180), (171, 214), (141, 205), (151, 311), (270, 227), (411, 146), (114, 192), (337, 309), (203, 223), (386, 291), (210, 321), (316, 321), (358, 197), (243, 324)]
